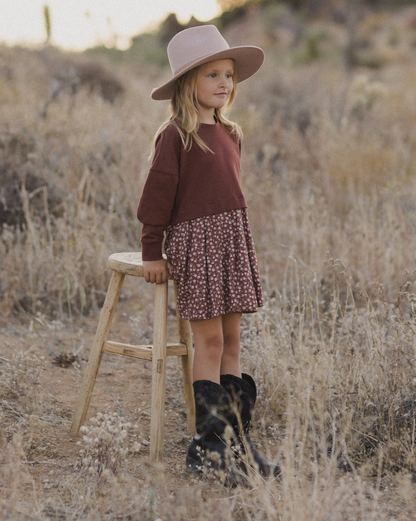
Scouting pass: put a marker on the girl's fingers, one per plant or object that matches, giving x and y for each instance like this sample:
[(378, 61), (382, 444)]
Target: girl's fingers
[(156, 272), (161, 278), (158, 277)]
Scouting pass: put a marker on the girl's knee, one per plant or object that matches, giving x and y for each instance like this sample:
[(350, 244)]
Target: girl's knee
[(213, 344), (231, 351), (232, 343), (231, 340), (208, 333)]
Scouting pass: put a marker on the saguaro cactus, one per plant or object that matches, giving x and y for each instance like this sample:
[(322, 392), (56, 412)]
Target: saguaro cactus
[(47, 20)]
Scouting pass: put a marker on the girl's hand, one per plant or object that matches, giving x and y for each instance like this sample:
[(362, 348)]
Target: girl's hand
[(156, 271)]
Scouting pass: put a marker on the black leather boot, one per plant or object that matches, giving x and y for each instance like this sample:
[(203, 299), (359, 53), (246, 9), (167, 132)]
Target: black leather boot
[(210, 447), (242, 394)]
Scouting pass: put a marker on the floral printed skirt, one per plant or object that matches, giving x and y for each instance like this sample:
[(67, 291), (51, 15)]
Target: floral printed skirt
[(214, 264)]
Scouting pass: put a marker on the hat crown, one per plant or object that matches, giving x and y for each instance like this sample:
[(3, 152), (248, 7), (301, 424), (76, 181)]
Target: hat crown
[(193, 45)]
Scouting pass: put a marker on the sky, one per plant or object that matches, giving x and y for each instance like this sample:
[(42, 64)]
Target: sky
[(78, 24)]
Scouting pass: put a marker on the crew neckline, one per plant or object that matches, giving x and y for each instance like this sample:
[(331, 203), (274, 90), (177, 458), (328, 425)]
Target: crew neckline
[(210, 124)]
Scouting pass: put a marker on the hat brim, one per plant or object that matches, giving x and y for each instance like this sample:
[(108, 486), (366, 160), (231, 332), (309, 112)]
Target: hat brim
[(248, 60)]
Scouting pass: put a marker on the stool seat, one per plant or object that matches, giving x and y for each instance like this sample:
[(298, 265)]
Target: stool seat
[(130, 263)]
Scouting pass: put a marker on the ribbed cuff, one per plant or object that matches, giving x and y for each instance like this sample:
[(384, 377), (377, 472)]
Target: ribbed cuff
[(151, 252)]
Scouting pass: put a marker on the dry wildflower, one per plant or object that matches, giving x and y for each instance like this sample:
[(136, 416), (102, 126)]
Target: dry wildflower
[(105, 445), (364, 94)]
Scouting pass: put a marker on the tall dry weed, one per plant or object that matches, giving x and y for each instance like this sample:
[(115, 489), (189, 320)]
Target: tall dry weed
[(20, 380), (14, 476), (328, 164), (92, 161), (339, 367)]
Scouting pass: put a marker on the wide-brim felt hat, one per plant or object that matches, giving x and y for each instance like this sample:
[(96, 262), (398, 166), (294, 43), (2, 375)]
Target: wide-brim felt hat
[(203, 44)]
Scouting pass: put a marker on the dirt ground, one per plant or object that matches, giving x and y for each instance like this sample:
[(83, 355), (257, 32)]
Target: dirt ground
[(123, 385)]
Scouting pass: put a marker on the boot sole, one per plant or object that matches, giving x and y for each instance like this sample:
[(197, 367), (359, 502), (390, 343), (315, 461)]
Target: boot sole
[(231, 480), (193, 466)]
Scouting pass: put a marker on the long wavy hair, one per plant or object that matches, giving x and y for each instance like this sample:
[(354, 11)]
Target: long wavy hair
[(184, 112)]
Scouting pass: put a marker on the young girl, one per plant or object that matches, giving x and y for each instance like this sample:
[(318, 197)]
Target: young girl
[(193, 194)]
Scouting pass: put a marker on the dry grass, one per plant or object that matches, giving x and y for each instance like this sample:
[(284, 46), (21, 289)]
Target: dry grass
[(329, 173)]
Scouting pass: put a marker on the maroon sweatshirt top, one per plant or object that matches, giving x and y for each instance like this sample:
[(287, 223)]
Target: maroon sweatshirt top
[(184, 185)]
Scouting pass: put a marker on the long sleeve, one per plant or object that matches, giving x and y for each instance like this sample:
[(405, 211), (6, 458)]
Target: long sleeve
[(158, 197), (151, 240)]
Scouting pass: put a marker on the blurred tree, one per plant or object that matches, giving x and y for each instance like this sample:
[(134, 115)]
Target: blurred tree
[(352, 24), (47, 21), (229, 5), (169, 27)]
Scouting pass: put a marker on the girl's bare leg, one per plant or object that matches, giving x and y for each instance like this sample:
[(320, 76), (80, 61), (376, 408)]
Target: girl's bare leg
[(209, 342), (230, 361), (217, 347)]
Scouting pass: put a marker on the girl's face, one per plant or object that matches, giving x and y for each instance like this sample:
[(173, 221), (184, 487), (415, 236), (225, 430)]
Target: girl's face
[(214, 85)]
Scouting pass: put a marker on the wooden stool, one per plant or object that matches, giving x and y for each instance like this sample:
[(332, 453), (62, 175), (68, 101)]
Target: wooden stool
[(124, 264)]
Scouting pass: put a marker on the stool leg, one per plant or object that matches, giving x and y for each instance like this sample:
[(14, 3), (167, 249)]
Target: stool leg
[(159, 372), (185, 337), (106, 317)]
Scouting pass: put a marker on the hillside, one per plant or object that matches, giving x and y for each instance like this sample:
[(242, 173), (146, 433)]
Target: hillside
[(329, 155)]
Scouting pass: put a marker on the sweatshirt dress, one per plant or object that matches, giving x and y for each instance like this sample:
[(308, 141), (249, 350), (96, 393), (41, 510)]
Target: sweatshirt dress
[(193, 203)]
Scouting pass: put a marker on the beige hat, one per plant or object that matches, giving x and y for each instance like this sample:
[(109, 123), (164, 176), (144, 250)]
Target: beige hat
[(198, 45)]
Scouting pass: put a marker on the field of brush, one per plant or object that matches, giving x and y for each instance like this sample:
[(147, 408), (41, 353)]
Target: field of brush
[(329, 173)]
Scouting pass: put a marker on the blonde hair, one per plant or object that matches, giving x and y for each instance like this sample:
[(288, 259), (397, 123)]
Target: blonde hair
[(184, 110)]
